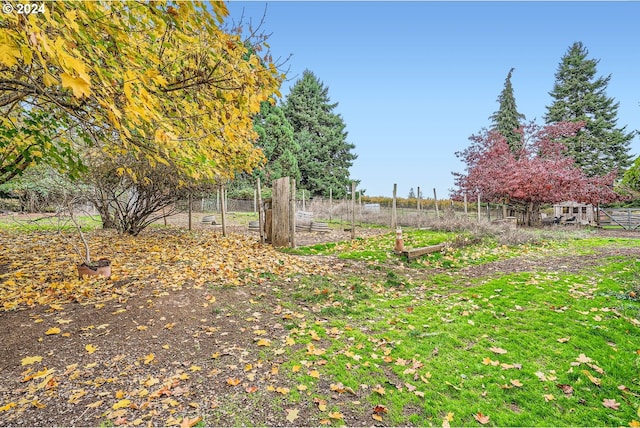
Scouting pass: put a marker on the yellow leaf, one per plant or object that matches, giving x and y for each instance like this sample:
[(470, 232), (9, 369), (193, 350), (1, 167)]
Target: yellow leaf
[(302, 387), (195, 368), (52, 330), (119, 394), (90, 348), (282, 390), (26, 361), (516, 382), (336, 415), (314, 373), (292, 414), (7, 407), (121, 404), (8, 54), (149, 358), (233, 381), (78, 85), (264, 342)]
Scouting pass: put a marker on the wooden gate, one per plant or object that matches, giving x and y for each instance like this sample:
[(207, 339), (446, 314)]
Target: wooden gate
[(627, 218)]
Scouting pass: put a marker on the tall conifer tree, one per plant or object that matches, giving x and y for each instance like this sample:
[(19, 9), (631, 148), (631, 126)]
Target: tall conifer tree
[(578, 95), (275, 138), (507, 119), (325, 154)]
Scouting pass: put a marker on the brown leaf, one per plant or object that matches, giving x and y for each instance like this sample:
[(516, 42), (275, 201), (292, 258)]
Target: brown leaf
[(497, 350), (379, 409), (483, 419), (610, 403), (189, 422), (567, 389)]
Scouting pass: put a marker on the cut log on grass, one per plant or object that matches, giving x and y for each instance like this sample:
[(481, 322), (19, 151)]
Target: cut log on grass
[(418, 252)]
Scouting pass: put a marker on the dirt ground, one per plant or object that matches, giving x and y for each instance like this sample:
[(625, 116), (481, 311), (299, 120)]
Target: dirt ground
[(158, 358)]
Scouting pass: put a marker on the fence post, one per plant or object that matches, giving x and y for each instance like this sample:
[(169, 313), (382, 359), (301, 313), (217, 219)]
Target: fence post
[(330, 202), (418, 208), (189, 202), (260, 211), (353, 210), (223, 212), (292, 213), (466, 211), (435, 197), (280, 234), (394, 218)]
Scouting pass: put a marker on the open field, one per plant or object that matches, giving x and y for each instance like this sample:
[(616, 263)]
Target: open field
[(197, 329)]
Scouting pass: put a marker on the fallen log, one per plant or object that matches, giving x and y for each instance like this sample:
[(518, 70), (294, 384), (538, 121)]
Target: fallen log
[(418, 252)]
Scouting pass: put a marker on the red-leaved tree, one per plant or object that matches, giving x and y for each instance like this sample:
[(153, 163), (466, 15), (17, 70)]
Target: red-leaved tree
[(538, 172)]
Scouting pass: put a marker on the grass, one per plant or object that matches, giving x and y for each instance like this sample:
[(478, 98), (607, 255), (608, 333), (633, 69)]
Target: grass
[(48, 223), (376, 249), (504, 347)]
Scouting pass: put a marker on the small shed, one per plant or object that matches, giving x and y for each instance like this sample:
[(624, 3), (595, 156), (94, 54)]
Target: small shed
[(575, 212)]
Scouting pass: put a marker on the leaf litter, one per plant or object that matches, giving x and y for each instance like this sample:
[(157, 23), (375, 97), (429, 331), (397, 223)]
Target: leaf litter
[(125, 386)]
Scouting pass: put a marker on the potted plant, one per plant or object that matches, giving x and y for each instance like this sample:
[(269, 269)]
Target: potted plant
[(102, 267)]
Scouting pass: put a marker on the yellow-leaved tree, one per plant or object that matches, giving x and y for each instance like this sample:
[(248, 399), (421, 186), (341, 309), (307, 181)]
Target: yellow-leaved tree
[(158, 80)]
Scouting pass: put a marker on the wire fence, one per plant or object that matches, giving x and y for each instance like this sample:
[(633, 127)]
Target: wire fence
[(342, 211)]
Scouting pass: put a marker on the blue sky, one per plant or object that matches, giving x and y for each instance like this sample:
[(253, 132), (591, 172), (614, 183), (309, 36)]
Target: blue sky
[(413, 80)]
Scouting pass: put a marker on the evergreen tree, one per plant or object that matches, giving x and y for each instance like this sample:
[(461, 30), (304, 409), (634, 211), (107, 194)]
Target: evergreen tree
[(601, 146), (277, 142), (507, 119), (325, 155)]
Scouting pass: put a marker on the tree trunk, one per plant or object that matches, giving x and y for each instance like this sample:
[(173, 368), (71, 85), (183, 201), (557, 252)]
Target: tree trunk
[(532, 215)]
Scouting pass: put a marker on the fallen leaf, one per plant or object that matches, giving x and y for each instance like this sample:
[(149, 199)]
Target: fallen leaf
[(549, 397), (90, 348), (233, 381), (251, 389), (380, 390), (121, 404), (8, 407), (189, 422), (596, 381), (610, 403), (567, 389), (149, 358), (52, 330), (483, 419), (583, 359), (264, 342), (322, 404), (292, 414), (336, 415), (564, 339), (497, 350), (516, 382), (26, 361)]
